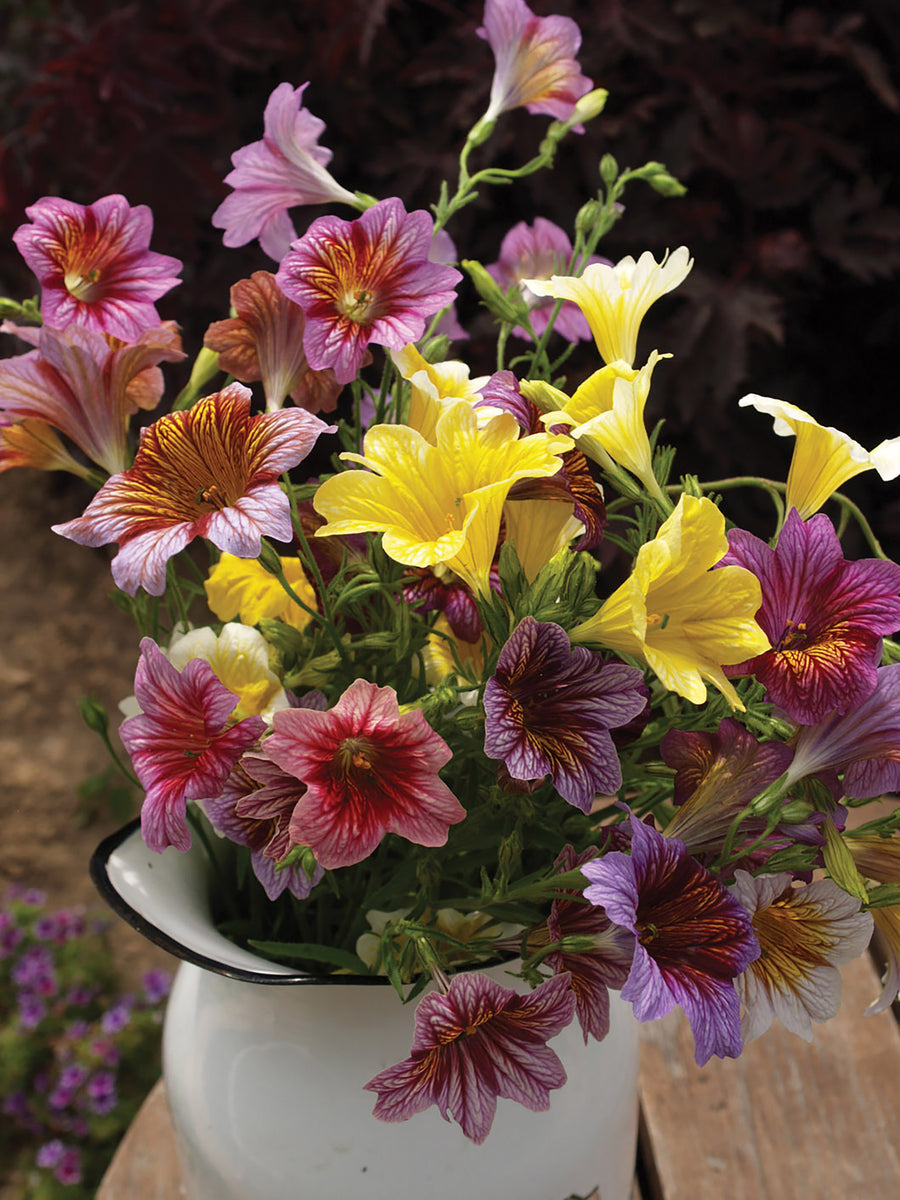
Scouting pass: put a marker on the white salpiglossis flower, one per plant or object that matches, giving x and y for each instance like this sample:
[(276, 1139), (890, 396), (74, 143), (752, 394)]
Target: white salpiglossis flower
[(806, 932), (239, 656)]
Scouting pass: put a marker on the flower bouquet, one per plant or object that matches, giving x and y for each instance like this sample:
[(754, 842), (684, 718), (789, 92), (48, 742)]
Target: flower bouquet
[(492, 686)]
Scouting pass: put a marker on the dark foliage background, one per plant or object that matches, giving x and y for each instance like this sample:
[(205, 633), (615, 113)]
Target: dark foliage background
[(781, 119)]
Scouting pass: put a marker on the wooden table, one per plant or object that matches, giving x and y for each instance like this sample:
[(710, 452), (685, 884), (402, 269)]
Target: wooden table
[(786, 1120)]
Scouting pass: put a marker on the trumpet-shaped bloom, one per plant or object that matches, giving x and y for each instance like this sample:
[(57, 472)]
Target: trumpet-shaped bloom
[(684, 619), (88, 387), (239, 657), (183, 744), (287, 168), (265, 341), (591, 972), (368, 771), (95, 266), (615, 299), (243, 587), (478, 1042), (549, 707), (805, 933), (210, 471), (537, 252), (863, 743), (254, 810), (442, 502), (32, 443), (364, 281), (824, 458), (535, 65), (433, 386), (823, 615), (692, 937)]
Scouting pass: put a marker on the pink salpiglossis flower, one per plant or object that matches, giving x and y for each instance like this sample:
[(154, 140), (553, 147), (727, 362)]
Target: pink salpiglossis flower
[(283, 170), (365, 281), (181, 744), (692, 939), (87, 386), (862, 744), (592, 972), (95, 266), (537, 252), (211, 471), (265, 341), (535, 64), (549, 707), (478, 1042), (823, 615), (254, 809), (368, 771)]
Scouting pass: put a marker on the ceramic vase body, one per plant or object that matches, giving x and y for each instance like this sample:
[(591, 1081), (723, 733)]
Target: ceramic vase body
[(264, 1080)]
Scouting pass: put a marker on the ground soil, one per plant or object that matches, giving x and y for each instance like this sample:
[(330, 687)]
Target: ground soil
[(60, 638)]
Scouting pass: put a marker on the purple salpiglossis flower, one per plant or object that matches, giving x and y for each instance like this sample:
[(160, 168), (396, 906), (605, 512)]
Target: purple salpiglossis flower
[(592, 972), (537, 252), (534, 57), (365, 281), (549, 707), (823, 615), (181, 743), (863, 744), (87, 388), (502, 391), (210, 471), (478, 1042), (95, 266), (254, 810), (285, 169), (692, 938)]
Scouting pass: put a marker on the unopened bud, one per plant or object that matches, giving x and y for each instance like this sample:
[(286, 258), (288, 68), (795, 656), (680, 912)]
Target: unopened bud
[(94, 714), (491, 293), (587, 217), (609, 170), (589, 106)]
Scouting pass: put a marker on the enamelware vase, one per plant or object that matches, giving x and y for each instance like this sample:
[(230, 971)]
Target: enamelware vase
[(264, 1068)]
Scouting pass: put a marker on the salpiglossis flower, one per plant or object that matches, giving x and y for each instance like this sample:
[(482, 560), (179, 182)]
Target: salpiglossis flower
[(535, 65), (824, 458), (239, 657), (365, 281), (243, 587), (87, 385), (805, 933), (692, 937), (285, 169), (478, 1042), (265, 341), (95, 265), (615, 299), (210, 471), (368, 771), (182, 744), (442, 502), (823, 615), (684, 619)]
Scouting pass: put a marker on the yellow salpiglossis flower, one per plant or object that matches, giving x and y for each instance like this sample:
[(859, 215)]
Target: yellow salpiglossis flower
[(433, 386), (685, 620), (615, 299), (606, 415), (824, 458), (539, 529), (239, 657), (243, 587), (440, 502)]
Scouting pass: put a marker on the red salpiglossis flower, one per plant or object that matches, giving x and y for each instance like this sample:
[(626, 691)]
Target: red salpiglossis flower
[(368, 771), (95, 266), (365, 281), (692, 939), (211, 471), (478, 1041), (181, 744), (823, 615)]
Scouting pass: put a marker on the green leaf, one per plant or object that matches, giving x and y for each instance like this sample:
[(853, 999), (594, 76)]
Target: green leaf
[(331, 955)]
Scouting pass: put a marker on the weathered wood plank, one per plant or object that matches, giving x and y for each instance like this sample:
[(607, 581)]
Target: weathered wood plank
[(145, 1166), (784, 1120)]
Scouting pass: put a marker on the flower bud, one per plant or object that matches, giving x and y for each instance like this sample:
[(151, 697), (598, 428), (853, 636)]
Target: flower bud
[(609, 170), (492, 294), (589, 106), (94, 714)]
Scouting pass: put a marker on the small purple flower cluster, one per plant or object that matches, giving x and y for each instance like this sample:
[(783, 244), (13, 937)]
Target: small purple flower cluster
[(81, 1054)]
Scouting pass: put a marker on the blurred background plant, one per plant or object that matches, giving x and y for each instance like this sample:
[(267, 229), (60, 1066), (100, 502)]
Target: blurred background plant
[(77, 1055)]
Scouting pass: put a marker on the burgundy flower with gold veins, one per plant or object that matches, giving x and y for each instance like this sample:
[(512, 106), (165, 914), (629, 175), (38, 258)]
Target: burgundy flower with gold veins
[(211, 471)]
